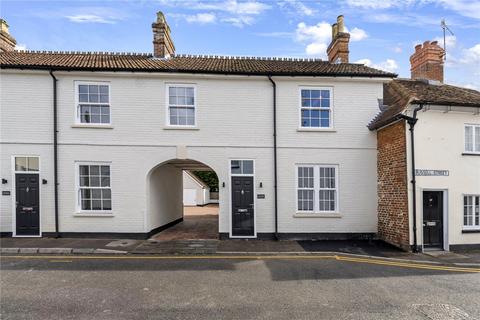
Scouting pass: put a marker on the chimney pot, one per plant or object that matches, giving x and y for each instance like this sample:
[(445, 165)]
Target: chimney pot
[(7, 42), (162, 42), (427, 62), (338, 51)]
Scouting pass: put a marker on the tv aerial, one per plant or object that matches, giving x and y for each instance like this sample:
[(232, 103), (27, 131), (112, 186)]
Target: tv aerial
[(445, 28)]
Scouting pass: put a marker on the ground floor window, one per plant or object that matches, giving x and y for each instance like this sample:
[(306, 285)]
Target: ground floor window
[(94, 187), (471, 212), (317, 188)]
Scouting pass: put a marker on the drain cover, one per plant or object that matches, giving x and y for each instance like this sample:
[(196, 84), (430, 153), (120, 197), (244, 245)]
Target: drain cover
[(442, 312)]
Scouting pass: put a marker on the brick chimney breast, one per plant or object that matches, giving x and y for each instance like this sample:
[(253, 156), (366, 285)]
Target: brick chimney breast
[(163, 46), (427, 62), (338, 51), (7, 42)]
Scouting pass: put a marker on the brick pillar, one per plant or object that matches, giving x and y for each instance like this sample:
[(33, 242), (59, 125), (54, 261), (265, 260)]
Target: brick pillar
[(7, 42), (427, 61), (338, 49), (162, 42)]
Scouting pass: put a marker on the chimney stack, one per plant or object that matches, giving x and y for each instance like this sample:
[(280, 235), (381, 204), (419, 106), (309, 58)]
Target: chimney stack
[(162, 42), (7, 42), (427, 62), (338, 49)]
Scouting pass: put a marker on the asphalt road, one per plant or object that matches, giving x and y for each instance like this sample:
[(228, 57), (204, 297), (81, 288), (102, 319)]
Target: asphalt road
[(278, 288)]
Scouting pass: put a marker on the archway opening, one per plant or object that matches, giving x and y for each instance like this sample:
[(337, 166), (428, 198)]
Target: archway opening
[(183, 201)]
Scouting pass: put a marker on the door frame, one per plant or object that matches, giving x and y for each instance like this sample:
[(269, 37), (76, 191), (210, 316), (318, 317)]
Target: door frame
[(14, 195), (445, 221), (230, 175)]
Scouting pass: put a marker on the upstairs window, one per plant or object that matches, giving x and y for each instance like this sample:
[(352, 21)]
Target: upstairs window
[(472, 138), (181, 105), (316, 108), (93, 103)]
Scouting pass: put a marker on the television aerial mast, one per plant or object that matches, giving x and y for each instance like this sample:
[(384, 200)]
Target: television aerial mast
[(445, 28)]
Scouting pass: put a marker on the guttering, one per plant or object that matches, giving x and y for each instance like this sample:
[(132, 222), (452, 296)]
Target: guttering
[(55, 151), (411, 122), (274, 86)]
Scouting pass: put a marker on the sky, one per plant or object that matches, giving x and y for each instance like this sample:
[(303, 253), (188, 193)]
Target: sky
[(383, 32)]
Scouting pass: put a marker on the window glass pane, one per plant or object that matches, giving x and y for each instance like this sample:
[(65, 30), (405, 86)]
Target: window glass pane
[(325, 94), (247, 167), (103, 98), (86, 205), (172, 91), (96, 205), (315, 94), (95, 181), (83, 88), (93, 98), (325, 103), (190, 92), (105, 119), (468, 138), (95, 110), (33, 164), (86, 194), (105, 170), (235, 167), (305, 93), (106, 194), (83, 97), (93, 89), (21, 164), (105, 182), (103, 90), (315, 103), (107, 205), (96, 193), (477, 139)]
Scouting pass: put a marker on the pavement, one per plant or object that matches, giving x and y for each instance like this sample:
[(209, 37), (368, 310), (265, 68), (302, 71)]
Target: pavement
[(234, 287)]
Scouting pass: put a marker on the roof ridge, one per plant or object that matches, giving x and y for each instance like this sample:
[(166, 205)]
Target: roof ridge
[(106, 53), (233, 57)]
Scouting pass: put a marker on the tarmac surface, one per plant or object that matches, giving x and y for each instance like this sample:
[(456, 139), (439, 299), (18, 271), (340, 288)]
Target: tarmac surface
[(264, 287)]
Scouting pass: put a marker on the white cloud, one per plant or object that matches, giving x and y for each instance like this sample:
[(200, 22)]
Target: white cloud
[(387, 65), (237, 13), (378, 4), (467, 8), (471, 58), (397, 49), (358, 34), (90, 18), (451, 41), (202, 18), (296, 8), (316, 36), (21, 46)]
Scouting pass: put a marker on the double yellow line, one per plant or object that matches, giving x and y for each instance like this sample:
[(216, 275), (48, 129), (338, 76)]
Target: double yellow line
[(258, 257)]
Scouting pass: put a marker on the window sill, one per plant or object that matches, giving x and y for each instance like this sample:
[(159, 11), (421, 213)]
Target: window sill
[(316, 130), (93, 126), (317, 215), (94, 214), (471, 154), (180, 128), (471, 231)]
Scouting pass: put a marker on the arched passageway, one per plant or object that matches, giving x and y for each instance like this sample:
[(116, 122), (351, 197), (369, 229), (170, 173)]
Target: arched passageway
[(183, 201)]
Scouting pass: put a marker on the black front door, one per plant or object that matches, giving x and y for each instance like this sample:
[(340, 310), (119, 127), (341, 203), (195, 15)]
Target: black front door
[(243, 221), (433, 219), (28, 209)]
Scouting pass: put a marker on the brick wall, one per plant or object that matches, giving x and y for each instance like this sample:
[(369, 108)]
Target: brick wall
[(392, 185)]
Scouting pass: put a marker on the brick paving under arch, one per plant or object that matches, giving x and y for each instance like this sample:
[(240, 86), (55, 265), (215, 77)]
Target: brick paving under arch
[(199, 223)]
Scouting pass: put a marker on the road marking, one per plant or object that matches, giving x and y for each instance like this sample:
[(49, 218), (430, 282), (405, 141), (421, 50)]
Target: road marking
[(259, 257)]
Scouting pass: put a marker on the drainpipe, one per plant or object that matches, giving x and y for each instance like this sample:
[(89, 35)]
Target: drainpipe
[(274, 85), (411, 122), (55, 151)]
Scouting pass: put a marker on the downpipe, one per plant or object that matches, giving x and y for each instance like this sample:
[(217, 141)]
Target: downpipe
[(275, 175), (55, 151)]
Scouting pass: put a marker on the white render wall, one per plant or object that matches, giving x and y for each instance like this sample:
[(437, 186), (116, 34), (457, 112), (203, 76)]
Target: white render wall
[(234, 117), (439, 144)]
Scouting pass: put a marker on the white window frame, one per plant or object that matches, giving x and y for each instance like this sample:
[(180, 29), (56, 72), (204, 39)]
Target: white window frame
[(331, 109), (469, 227), (167, 104), (474, 127), (78, 206), (78, 121), (316, 188)]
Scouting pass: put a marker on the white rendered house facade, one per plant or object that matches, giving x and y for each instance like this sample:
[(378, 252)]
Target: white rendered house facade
[(114, 174)]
